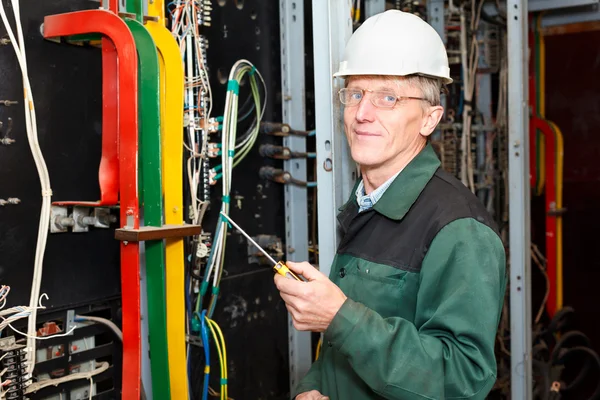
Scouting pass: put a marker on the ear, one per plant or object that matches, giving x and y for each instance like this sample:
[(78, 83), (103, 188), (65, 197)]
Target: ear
[(431, 119)]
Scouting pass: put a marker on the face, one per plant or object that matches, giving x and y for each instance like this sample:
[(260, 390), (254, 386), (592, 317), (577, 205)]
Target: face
[(383, 138)]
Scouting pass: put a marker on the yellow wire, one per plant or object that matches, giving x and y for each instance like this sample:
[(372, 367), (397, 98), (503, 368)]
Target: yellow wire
[(559, 204), (217, 345), (541, 109), (222, 354), (542, 62), (319, 343), (559, 157)]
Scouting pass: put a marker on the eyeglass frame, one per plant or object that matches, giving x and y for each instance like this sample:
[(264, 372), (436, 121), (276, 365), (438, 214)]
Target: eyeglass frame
[(398, 98)]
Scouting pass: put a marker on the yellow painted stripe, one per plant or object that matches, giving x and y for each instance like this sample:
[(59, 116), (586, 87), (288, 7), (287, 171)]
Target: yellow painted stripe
[(156, 8), (172, 87)]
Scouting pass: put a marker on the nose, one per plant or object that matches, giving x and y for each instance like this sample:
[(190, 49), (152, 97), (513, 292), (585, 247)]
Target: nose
[(365, 111)]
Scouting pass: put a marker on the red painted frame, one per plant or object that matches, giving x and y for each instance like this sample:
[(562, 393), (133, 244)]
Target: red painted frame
[(536, 123), (124, 95)]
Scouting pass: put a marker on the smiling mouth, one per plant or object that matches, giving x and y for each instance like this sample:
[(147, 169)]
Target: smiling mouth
[(362, 133)]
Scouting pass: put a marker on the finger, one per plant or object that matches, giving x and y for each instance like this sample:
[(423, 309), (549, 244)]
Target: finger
[(306, 270), (289, 300), (290, 286)]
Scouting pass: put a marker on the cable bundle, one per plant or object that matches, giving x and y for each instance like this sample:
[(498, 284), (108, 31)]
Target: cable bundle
[(32, 136), (552, 348), (232, 153)]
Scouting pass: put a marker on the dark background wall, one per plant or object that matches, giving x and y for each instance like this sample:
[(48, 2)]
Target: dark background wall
[(573, 103)]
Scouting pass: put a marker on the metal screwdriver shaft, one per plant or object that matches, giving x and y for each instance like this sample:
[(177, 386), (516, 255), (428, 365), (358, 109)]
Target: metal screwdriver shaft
[(279, 267)]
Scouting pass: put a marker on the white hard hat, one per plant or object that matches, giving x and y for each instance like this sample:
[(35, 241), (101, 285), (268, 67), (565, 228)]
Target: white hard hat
[(395, 43)]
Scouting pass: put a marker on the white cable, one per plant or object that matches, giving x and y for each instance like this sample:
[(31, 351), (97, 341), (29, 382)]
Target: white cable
[(32, 136), (34, 387), (104, 321), (34, 338)]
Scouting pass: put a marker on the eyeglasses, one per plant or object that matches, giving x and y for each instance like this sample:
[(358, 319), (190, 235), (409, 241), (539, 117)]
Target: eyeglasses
[(379, 98)]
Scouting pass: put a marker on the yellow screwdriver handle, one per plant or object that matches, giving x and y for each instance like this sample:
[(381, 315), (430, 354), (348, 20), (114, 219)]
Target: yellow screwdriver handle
[(283, 270)]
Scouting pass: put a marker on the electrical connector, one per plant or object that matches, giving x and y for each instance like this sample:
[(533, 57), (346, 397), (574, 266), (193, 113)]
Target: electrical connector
[(281, 176), (10, 200), (213, 150)]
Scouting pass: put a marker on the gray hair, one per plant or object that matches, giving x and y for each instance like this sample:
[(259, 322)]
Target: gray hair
[(431, 88)]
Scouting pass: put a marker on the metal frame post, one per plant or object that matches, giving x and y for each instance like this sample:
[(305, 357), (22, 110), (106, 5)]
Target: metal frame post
[(336, 172), (435, 17), (373, 7), (519, 197), (296, 211)]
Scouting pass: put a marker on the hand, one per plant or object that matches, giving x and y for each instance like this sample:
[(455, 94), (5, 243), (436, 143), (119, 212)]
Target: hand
[(312, 304), (312, 395)]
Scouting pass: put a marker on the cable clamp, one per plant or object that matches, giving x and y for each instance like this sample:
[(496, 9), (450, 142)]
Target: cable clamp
[(234, 86), (226, 221)]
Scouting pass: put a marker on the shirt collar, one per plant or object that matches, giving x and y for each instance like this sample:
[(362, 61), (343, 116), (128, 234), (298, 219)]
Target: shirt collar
[(366, 201), (406, 187)]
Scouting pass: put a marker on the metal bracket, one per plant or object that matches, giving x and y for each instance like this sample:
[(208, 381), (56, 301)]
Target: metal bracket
[(58, 219), (70, 322)]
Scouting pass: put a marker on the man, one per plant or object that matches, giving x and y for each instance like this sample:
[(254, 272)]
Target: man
[(412, 304)]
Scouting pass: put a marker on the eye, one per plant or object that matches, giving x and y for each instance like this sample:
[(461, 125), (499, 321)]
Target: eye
[(389, 98), (355, 95)]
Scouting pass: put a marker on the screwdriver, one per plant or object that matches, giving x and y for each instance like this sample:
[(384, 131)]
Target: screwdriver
[(278, 267)]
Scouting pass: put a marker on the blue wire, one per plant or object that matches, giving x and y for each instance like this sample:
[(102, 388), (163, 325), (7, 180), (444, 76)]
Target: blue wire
[(188, 304), (206, 355)]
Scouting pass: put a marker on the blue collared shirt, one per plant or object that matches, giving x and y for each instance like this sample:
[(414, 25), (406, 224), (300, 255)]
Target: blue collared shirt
[(366, 201)]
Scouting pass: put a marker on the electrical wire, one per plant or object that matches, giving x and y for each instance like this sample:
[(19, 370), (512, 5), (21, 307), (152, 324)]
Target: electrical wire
[(101, 367), (117, 332), (206, 345), (103, 321), (32, 136), (222, 351), (231, 155)]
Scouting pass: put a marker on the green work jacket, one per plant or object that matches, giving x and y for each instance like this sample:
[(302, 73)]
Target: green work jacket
[(424, 272)]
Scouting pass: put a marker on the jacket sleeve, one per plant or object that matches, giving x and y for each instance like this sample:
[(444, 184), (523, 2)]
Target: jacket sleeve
[(448, 353), (312, 379)]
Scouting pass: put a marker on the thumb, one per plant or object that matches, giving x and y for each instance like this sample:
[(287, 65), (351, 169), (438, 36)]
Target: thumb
[(306, 270)]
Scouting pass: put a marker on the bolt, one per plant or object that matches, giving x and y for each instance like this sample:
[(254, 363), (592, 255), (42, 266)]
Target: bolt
[(64, 222), (8, 102)]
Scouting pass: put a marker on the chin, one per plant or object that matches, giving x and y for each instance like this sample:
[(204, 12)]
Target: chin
[(368, 157)]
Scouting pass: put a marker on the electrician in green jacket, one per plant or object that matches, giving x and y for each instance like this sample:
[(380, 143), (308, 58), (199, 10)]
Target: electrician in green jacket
[(411, 307)]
